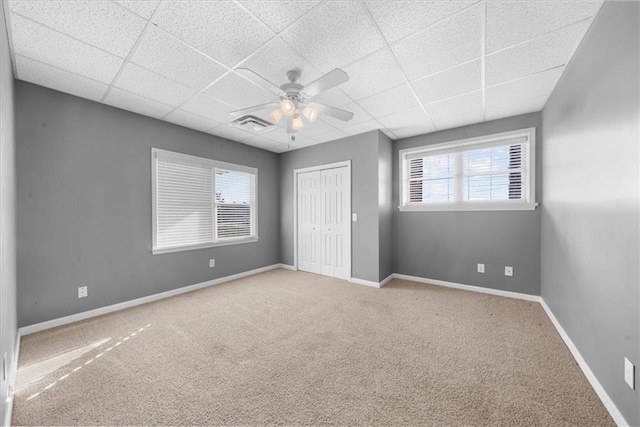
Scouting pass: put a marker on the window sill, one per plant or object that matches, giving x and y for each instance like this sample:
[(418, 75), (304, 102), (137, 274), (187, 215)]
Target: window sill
[(204, 246), (470, 207)]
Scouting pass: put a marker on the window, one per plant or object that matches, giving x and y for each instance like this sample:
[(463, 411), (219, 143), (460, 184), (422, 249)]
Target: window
[(200, 203), (495, 172)]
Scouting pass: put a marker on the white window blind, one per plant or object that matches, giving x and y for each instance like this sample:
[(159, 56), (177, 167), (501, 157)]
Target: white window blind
[(199, 202), (492, 173)]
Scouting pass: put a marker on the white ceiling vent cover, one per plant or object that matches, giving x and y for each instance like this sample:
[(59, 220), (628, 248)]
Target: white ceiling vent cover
[(252, 124)]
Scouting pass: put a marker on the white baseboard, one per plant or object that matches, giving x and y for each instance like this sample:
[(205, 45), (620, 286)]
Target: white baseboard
[(600, 391), (364, 282), (13, 373), (26, 330), (497, 292), (371, 283), (288, 267), (387, 280)]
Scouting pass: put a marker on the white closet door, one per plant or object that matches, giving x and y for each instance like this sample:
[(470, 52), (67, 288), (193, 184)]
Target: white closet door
[(336, 244), (309, 212)]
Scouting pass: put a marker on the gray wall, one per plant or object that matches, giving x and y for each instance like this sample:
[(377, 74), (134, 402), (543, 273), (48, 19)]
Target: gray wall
[(84, 206), (385, 207), (590, 203), (449, 245), (8, 326), (362, 150)]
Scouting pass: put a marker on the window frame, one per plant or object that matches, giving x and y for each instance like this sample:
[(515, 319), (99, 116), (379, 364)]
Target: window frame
[(214, 164), (468, 144)]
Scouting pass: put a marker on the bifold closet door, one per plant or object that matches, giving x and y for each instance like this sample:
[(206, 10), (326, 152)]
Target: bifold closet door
[(309, 211), (335, 225)]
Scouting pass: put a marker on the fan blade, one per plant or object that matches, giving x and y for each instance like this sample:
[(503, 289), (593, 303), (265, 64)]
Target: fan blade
[(260, 81), (254, 108), (326, 82), (336, 113)]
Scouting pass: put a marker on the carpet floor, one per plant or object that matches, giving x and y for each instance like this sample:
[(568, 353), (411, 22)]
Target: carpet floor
[(286, 347)]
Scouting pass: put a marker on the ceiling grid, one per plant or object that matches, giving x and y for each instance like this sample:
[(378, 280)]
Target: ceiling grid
[(415, 67)]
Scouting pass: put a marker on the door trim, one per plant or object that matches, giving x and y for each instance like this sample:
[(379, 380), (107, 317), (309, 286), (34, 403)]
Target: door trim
[(347, 164)]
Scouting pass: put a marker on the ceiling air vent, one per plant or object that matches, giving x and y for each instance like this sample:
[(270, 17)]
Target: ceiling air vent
[(252, 124)]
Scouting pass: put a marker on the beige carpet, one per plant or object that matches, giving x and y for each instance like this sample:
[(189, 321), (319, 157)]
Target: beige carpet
[(293, 348)]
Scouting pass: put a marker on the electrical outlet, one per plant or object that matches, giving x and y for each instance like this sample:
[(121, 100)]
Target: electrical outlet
[(212, 263), (629, 373), (508, 271), (354, 217), (480, 268), (82, 292)]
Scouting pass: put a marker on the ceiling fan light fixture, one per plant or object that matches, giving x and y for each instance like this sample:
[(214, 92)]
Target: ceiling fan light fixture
[(276, 115), (296, 123), (310, 113), (287, 107)]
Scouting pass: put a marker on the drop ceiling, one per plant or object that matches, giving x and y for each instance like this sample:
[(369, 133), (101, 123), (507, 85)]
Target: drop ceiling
[(415, 67)]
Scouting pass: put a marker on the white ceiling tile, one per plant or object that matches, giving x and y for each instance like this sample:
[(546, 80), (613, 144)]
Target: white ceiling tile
[(221, 29), (510, 22), (279, 135), (297, 144), (441, 46), (239, 92), (279, 14), (413, 131), (521, 107), (455, 81), (361, 127), (458, 120), (205, 106), (166, 55), (373, 74), (334, 97), (230, 132), (330, 136), (281, 148), (400, 98), (50, 47), (192, 121), (398, 19), (545, 52), (143, 8), (316, 128), (136, 103), (450, 108), (334, 34), (143, 82), (413, 117), (359, 116), (55, 78), (273, 60), (99, 23), (259, 141), (532, 86)]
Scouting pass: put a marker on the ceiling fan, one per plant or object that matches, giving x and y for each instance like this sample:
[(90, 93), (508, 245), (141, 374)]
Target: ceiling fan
[(296, 103)]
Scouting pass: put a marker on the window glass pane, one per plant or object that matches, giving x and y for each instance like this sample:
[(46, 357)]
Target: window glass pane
[(438, 191), (233, 186), (431, 179), (235, 192), (487, 173)]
